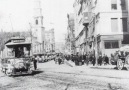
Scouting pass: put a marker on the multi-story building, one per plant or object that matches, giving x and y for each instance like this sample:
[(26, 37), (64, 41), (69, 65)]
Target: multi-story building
[(67, 43), (70, 39), (110, 27), (49, 41), (43, 41), (106, 23), (59, 47), (80, 26)]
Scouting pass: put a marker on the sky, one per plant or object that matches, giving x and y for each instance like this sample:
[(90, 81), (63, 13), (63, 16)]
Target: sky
[(15, 15)]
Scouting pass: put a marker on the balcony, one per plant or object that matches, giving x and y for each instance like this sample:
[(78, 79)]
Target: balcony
[(85, 21), (85, 18)]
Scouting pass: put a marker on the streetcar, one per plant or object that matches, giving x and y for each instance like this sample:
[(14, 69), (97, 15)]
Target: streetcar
[(17, 58)]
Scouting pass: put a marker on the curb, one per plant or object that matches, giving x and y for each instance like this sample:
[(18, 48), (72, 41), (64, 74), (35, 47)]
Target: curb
[(103, 67), (69, 63)]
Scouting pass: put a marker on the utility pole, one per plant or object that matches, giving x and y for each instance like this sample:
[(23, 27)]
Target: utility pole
[(95, 40), (31, 38), (11, 25)]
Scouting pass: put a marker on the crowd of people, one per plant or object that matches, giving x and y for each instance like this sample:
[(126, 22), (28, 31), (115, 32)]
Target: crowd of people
[(88, 59), (79, 59), (59, 58)]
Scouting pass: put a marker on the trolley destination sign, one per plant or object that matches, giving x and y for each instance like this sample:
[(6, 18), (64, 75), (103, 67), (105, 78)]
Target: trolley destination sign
[(18, 41)]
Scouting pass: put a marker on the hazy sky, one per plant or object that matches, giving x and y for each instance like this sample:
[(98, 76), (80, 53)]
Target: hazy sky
[(20, 13)]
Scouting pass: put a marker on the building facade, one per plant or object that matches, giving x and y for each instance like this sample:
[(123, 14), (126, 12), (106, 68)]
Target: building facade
[(105, 23), (50, 41), (59, 47), (80, 26), (70, 37)]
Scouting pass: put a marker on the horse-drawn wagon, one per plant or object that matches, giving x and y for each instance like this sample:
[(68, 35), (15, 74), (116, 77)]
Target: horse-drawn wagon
[(121, 58)]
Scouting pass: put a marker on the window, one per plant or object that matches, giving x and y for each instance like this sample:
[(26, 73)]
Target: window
[(123, 4), (124, 25), (114, 24), (36, 22), (107, 45), (115, 44), (114, 4), (125, 39), (111, 44)]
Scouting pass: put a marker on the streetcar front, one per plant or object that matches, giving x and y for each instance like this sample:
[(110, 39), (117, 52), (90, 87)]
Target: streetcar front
[(17, 57)]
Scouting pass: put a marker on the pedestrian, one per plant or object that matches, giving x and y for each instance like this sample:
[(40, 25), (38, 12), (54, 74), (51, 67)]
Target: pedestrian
[(35, 62), (59, 59), (43, 59), (106, 60), (76, 59), (68, 57), (56, 58), (93, 60), (84, 58), (80, 59), (100, 60), (63, 58), (72, 57), (116, 57), (90, 58), (87, 60), (53, 56)]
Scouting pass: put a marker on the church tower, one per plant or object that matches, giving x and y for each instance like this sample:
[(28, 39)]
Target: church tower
[(38, 29)]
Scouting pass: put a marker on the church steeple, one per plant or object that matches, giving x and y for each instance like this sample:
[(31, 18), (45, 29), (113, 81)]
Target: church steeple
[(38, 31), (38, 17)]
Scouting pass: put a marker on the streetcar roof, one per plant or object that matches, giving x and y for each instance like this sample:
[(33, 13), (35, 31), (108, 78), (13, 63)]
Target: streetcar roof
[(23, 43), (14, 38)]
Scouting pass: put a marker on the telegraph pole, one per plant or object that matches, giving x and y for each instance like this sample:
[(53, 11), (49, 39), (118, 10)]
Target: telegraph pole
[(31, 38), (11, 25)]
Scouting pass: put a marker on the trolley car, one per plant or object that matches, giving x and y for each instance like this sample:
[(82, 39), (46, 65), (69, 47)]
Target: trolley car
[(17, 57)]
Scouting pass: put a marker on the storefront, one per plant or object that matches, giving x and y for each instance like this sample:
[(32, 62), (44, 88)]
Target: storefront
[(109, 44)]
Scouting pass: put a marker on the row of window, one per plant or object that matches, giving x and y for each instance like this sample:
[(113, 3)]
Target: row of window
[(112, 44), (114, 24), (114, 4)]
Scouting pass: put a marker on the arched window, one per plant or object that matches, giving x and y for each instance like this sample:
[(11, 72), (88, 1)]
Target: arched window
[(36, 22)]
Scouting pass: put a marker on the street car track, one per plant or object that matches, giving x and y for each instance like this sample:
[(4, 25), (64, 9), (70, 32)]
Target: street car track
[(59, 79), (62, 81)]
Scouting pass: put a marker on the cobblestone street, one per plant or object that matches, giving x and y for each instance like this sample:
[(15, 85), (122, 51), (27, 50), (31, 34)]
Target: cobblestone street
[(51, 76)]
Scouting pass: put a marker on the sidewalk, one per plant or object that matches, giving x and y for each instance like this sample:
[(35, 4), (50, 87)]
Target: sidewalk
[(72, 64), (95, 71), (103, 67), (101, 71)]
